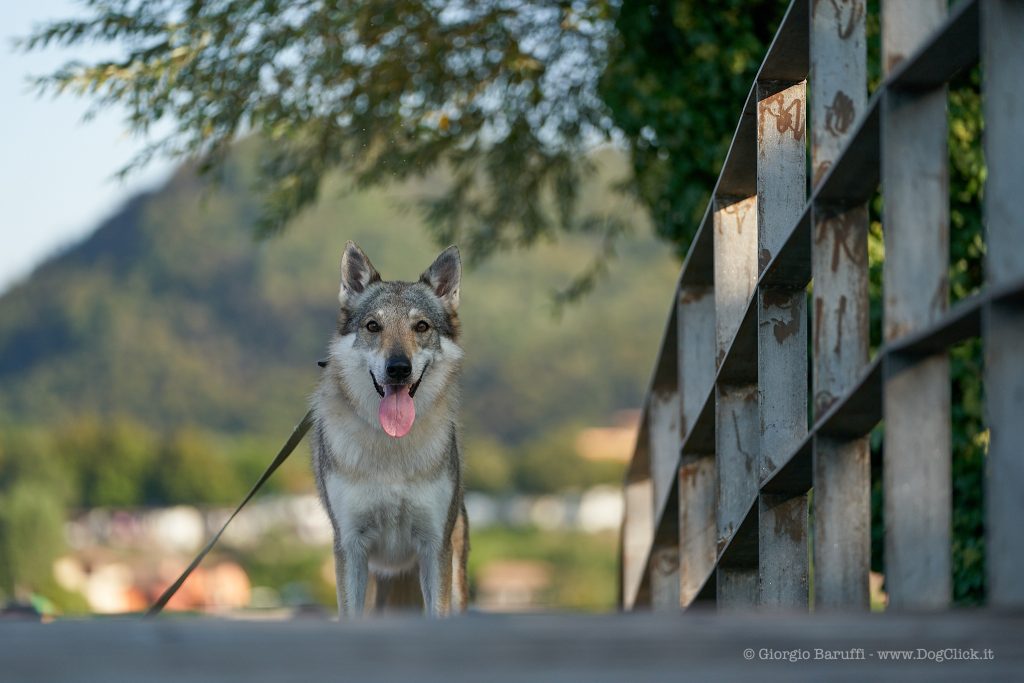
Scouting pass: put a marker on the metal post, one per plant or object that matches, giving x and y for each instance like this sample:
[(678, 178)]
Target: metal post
[(736, 411), (839, 266), (697, 478), (781, 342), (664, 418), (915, 184), (1002, 25), (637, 525)]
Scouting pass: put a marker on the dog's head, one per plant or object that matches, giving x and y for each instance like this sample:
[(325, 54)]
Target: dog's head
[(396, 349)]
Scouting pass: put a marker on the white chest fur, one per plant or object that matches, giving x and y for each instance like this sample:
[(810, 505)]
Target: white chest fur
[(389, 498), (387, 521)]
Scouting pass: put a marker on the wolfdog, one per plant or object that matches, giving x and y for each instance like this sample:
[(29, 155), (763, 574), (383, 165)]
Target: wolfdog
[(386, 450)]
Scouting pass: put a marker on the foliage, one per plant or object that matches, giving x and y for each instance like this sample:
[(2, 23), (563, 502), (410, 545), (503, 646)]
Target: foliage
[(970, 436), (583, 565), (503, 97), (31, 535), (677, 77), (294, 569), (500, 92), (167, 314), (675, 82), (550, 463)]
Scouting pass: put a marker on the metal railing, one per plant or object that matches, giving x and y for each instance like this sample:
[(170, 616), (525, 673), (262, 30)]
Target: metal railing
[(717, 490)]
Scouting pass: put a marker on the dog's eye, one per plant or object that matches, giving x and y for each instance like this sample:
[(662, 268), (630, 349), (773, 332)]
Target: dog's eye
[(422, 326), (373, 326)]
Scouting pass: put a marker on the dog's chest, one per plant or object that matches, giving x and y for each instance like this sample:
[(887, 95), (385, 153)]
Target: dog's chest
[(386, 497), (390, 521)]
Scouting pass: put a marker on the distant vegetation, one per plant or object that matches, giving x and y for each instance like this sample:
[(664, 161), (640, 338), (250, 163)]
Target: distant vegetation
[(164, 358), (169, 315)]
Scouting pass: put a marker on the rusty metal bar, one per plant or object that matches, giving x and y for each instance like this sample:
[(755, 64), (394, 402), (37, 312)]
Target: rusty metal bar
[(781, 342), (663, 416), (1002, 29), (917, 468), (663, 567), (736, 580), (697, 479), (857, 411), (697, 525), (841, 473), (637, 524), (735, 259), (736, 410), (710, 500)]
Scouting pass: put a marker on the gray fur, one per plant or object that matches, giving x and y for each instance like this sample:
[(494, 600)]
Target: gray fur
[(396, 505)]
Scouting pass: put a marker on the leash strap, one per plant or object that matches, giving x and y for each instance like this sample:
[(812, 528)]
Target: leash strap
[(282, 455)]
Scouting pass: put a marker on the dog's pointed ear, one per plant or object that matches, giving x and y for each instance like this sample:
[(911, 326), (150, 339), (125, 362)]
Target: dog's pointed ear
[(357, 273), (444, 276)]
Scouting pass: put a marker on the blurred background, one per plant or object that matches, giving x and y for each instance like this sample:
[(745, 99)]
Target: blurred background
[(179, 179)]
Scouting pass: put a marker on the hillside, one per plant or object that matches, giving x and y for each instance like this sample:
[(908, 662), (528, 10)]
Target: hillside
[(171, 315)]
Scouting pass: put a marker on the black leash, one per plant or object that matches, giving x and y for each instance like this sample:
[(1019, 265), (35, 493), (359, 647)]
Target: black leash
[(282, 455)]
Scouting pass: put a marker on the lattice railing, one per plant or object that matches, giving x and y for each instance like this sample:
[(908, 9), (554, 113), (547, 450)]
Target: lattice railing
[(717, 491)]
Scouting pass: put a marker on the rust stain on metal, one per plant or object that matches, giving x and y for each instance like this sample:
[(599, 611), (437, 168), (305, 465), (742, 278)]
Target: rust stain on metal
[(784, 329), (848, 14), (775, 298), (690, 295), (840, 314), (723, 539), (820, 170), (739, 210), (664, 391), (839, 115), (843, 229), (686, 475), (784, 326), (739, 445), (823, 400), (895, 331), (790, 526), (764, 258), (789, 117), (666, 561)]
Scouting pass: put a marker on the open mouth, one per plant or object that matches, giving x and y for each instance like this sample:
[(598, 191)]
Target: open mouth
[(397, 411), (412, 389)]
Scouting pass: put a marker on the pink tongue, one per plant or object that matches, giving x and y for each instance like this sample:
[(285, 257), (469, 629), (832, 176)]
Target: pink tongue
[(397, 411)]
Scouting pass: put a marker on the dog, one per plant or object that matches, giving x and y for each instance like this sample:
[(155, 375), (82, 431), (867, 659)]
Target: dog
[(386, 453)]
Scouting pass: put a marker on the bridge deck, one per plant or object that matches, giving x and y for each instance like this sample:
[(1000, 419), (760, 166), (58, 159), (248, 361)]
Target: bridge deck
[(495, 648)]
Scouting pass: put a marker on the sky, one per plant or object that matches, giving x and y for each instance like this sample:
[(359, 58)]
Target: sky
[(56, 171)]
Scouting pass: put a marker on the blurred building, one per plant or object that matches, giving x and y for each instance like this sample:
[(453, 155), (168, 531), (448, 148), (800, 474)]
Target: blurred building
[(513, 585), (615, 442)]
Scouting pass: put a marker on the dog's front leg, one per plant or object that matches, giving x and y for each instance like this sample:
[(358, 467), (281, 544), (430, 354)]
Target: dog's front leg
[(350, 574), (436, 577)]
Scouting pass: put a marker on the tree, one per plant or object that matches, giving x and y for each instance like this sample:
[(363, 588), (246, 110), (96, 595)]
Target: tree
[(677, 77), (506, 96), (500, 94)]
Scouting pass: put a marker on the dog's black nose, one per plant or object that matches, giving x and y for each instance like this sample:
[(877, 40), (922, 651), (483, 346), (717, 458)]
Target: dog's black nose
[(398, 368)]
